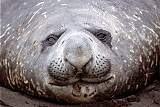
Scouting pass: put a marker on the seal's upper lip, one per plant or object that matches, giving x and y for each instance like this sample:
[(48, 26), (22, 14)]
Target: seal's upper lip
[(59, 83)]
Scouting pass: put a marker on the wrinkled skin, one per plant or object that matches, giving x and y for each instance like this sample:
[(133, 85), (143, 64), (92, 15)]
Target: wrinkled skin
[(79, 51)]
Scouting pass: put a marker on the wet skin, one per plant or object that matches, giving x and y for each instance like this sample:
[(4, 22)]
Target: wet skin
[(79, 51)]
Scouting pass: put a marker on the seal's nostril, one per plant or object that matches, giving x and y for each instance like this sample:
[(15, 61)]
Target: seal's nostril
[(79, 69), (85, 66)]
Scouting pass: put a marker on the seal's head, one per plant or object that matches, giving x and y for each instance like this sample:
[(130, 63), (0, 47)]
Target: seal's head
[(79, 53), (78, 60)]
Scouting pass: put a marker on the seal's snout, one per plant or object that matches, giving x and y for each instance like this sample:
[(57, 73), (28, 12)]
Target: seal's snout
[(78, 53), (81, 57)]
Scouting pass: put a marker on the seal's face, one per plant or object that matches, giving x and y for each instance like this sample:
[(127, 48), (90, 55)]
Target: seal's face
[(78, 59), (74, 57), (79, 53)]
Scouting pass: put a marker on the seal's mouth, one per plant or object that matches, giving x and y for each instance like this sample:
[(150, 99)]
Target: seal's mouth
[(62, 83), (61, 79)]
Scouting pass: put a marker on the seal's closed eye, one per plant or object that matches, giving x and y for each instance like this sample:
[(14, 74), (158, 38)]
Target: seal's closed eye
[(104, 36), (49, 41)]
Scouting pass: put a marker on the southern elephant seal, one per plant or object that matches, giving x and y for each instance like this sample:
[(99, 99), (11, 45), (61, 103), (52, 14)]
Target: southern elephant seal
[(79, 51)]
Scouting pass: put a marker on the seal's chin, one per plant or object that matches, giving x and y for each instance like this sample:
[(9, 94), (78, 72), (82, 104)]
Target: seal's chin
[(80, 91)]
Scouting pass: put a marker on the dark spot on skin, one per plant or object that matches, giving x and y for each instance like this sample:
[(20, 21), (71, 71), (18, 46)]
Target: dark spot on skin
[(26, 102), (62, 42), (77, 87), (90, 39), (136, 15), (34, 42), (85, 95)]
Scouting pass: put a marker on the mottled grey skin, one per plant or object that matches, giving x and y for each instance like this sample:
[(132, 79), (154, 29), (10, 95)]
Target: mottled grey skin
[(79, 67)]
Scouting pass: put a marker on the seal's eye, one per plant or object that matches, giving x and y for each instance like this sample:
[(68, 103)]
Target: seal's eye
[(51, 40), (105, 37)]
